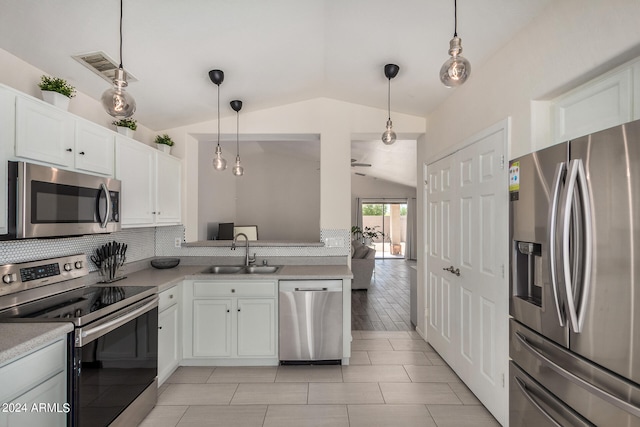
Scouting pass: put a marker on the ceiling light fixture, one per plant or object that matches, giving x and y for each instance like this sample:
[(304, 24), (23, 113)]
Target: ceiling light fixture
[(219, 163), (455, 71), (116, 100), (389, 136), (236, 105)]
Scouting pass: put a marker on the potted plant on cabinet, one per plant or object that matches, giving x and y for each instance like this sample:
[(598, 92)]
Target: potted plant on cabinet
[(126, 126), (164, 143), (56, 91)]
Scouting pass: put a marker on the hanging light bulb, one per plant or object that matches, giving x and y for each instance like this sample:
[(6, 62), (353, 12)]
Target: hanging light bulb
[(219, 163), (389, 136), (236, 105), (116, 100), (456, 69)]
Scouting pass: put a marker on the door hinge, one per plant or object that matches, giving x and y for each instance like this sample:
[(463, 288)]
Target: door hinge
[(502, 162), (503, 380), (503, 271)]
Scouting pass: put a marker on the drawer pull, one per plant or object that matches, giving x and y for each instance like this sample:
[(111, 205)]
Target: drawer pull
[(233, 291)]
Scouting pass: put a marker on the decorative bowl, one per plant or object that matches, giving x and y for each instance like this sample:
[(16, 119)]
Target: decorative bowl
[(162, 263)]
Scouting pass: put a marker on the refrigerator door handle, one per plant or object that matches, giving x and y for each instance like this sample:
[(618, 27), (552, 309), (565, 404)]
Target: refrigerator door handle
[(523, 389), (572, 177), (587, 218), (553, 219), (602, 394)]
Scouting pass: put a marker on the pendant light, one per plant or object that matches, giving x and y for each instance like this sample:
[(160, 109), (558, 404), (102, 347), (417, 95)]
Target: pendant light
[(219, 163), (455, 71), (116, 100), (236, 105), (389, 136)]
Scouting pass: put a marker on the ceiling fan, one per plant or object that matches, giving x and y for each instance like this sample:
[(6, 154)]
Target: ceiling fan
[(355, 163)]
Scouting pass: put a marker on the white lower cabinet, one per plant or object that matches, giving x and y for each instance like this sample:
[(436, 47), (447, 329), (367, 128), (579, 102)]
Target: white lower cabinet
[(230, 321), (169, 342), (34, 388)]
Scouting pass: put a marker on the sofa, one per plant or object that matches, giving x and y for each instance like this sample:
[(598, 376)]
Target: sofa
[(362, 265)]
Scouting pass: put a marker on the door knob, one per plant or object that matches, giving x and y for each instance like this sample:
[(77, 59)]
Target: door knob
[(452, 270)]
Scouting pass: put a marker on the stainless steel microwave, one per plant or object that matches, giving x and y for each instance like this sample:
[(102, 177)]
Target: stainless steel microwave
[(45, 201)]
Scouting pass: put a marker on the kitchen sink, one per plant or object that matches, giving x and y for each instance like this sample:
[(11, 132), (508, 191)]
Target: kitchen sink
[(261, 269), (241, 269), (223, 269)]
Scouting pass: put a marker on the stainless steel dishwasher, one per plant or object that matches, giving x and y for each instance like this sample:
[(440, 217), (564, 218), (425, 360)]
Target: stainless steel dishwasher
[(310, 321)]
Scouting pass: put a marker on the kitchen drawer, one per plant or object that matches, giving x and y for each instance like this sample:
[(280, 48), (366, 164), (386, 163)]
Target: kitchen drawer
[(168, 298), (23, 374), (215, 288)]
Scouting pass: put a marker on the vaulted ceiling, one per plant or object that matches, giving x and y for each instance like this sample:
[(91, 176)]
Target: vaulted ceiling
[(272, 52)]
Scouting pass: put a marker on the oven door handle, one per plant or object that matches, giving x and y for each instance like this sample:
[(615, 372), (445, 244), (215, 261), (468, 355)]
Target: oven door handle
[(84, 336)]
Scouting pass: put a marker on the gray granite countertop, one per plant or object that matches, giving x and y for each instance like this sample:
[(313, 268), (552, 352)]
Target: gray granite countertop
[(167, 278), (17, 339)]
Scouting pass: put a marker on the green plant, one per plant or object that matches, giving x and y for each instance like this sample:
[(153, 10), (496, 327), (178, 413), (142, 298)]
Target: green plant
[(356, 231), (164, 139), (372, 233), (56, 84), (126, 123)]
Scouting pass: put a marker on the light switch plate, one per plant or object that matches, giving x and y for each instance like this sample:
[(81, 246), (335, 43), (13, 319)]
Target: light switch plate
[(178, 242)]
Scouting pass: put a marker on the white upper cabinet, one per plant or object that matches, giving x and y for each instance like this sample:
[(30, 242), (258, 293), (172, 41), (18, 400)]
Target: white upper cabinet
[(169, 172), (150, 185), (606, 101), (135, 167), (44, 132), (48, 134), (7, 137), (94, 148)]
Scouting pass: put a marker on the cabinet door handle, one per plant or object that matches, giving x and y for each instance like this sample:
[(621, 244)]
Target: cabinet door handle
[(171, 296), (227, 310), (69, 150), (81, 153), (233, 291), (238, 310), (159, 327)]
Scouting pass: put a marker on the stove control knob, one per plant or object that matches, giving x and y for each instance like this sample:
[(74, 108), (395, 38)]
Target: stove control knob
[(78, 312), (67, 267), (78, 265), (9, 278)]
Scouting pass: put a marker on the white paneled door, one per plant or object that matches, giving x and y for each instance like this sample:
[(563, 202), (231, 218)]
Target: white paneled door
[(466, 257)]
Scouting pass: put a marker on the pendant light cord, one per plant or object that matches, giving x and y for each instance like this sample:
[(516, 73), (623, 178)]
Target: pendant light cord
[(389, 99), (218, 115), (237, 131), (121, 33), (455, 18)]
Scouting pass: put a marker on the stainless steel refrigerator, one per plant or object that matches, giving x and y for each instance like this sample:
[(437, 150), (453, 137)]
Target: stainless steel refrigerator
[(575, 282)]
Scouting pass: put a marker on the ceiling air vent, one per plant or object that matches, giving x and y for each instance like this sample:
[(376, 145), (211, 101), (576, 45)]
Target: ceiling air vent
[(101, 64)]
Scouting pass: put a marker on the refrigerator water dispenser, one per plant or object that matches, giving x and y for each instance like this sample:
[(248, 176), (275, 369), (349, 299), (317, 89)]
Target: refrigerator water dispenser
[(528, 272)]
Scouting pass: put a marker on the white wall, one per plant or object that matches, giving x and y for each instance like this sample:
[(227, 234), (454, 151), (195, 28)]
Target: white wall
[(279, 192), (569, 44), (335, 122)]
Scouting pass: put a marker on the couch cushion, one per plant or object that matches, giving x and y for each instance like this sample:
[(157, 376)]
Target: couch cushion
[(360, 252)]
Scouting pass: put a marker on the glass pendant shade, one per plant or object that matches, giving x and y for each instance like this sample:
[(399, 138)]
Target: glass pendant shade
[(389, 136), (219, 163), (116, 100), (456, 69), (238, 170)]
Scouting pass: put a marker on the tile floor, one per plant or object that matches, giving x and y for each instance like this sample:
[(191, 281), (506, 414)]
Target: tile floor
[(394, 379)]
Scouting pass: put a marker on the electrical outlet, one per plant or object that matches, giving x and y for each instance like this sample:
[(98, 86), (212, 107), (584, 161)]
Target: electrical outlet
[(178, 242)]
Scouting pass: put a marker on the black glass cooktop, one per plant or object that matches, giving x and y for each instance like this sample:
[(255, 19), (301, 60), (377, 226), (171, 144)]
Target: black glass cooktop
[(79, 306)]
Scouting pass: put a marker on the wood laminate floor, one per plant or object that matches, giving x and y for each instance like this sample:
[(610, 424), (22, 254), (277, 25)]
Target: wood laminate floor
[(385, 305)]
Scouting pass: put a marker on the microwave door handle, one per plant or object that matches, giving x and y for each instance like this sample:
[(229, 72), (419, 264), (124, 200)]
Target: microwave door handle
[(107, 215), (587, 221), (572, 175), (553, 220)]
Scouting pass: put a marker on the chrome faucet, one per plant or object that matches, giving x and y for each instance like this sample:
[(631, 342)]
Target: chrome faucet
[(247, 260)]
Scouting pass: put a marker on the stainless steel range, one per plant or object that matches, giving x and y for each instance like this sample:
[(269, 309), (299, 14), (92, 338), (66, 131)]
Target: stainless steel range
[(113, 362)]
